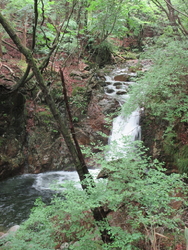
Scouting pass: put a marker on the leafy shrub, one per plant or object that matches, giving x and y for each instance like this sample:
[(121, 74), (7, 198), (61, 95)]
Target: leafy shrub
[(163, 92), (137, 189)]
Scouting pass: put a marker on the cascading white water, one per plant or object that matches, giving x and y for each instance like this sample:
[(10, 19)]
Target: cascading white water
[(18, 194), (55, 179), (124, 128)]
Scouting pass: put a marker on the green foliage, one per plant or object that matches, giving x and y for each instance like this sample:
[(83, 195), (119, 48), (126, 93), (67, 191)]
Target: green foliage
[(164, 95), (78, 91), (169, 143), (117, 18), (164, 86), (44, 117), (102, 52), (79, 98), (181, 158), (56, 92), (137, 189), (186, 236)]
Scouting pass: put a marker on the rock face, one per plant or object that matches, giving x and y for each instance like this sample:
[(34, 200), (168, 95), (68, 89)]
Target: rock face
[(152, 133), (11, 231), (169, 148), (29, 137), (12, 133)]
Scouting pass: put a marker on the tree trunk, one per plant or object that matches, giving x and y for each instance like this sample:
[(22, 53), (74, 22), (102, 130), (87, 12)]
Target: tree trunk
[(171, 16), (98, 213), (82, 170), (24, 35)]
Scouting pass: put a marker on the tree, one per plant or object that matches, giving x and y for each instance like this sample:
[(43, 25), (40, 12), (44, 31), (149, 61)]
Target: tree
[(176, 14), (98, 212)]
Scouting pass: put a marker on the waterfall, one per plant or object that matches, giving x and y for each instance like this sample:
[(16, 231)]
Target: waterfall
[(17, 195), (124, 129)]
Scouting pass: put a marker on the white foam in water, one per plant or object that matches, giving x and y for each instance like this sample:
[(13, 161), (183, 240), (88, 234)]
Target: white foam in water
[(126, 127), (123, 127), (49, 180)]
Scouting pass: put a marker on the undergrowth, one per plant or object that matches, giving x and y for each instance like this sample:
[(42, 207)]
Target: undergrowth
[(139, 196), (163, 93)]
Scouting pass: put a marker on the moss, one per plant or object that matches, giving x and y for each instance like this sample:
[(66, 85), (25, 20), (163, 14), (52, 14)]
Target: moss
[(184, 151), (135, 68), (78, 90), (181, 159), (45, 117), (169, 145), (22, 65), (182, 165), (130, 55)]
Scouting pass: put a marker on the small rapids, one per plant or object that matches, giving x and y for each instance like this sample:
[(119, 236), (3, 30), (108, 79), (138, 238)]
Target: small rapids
[(18, 194), (124, 129)]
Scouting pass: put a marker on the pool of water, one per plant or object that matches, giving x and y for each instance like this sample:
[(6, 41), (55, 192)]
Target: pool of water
[(18, 194)]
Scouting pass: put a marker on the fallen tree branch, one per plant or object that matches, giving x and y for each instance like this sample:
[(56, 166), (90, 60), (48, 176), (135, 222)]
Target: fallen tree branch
[(11, 71), (10, 45), (122, 58)]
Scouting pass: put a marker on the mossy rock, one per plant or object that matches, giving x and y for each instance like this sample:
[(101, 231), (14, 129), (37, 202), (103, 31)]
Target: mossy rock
[(130, 55)]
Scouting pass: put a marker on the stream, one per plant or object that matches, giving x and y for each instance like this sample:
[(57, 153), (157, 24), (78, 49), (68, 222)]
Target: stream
[(18, 194), (124, 129)]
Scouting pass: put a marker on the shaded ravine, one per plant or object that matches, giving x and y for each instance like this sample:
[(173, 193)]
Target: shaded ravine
[(18, 194)]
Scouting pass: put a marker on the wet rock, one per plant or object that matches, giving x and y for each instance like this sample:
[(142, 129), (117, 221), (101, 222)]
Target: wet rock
[(104, 84), (83, 74), (1, 234), (121, 92), (65, 246), (108, 105), (82, 136), (118, 85), (46, 150), (122, 77), (11, 231), (82, 66), (109, 91)]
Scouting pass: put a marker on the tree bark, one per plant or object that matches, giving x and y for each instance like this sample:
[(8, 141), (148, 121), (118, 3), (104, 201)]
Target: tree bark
[(98, 213), (82, 170), (24, 35)]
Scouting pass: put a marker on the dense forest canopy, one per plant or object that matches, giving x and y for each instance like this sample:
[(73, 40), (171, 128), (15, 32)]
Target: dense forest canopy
[(141, 206)]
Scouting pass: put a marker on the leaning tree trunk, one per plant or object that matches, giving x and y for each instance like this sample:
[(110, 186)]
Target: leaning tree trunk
[(81, 168), (98, 213)]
